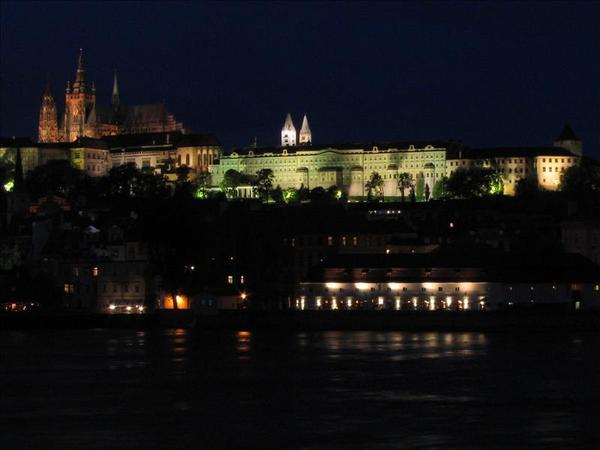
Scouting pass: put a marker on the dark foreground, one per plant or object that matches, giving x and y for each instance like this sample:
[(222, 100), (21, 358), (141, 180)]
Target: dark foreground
[(538, 320), (178, 389)]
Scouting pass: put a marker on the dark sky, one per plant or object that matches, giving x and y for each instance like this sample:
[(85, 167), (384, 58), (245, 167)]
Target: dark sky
[(485, 73)]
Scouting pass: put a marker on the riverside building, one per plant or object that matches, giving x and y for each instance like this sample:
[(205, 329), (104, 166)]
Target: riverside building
[(450, 281)]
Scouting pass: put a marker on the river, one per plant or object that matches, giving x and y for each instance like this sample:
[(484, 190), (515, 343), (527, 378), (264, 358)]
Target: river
[(170, 389)]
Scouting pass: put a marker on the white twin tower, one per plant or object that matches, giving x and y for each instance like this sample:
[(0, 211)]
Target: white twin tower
[(288, 132)]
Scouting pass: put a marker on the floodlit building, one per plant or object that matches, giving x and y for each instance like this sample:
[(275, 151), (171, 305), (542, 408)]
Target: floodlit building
[(450, 281), (83, 117), (545, 165), (347, 166)]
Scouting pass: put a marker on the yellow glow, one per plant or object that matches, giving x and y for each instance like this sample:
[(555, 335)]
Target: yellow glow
[(414, 302), (397, 304), (394, 285), (318, 302), (428, 285), (380, 301), (112, 307), (349, 302), (448, 301), (466, 303), (432, 304), (243, 295), (361, 286), (182, 302), (334, 304), (302, 303), (332, 285)]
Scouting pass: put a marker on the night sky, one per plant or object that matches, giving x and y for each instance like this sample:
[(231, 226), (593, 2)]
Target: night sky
[(485, 73)]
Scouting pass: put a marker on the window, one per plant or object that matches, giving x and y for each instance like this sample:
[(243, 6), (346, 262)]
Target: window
[(440, 289), (95, 271), (330, 240), (69, 288), (229, 279), (137, 288), (344, 241), (241, 279), (457, 289), (355, 241)]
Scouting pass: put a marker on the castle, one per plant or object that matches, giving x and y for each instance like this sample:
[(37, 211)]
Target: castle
[(301, 163), (84, 118)]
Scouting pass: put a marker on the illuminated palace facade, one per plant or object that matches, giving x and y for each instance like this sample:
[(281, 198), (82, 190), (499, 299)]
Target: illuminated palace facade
[(350, 166), (83, 117)]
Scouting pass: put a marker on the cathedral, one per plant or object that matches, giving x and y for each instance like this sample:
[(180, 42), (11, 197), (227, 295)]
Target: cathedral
[(84, 118), (288, 132)]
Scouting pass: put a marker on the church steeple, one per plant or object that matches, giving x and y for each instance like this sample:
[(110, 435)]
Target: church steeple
[(48, 124), (288, 132), (115, 92), (305, 134), (79, 84)]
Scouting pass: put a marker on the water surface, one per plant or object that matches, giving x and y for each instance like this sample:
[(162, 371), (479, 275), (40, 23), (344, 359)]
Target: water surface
[(169, 389)]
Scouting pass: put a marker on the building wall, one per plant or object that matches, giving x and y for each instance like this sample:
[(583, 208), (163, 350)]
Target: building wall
[(550, 169), (547, 169), (457, 295), (347, 169)]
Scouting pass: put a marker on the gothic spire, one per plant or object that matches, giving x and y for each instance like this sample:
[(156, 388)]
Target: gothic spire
[(115, 92), (305, 134), (79, 84)]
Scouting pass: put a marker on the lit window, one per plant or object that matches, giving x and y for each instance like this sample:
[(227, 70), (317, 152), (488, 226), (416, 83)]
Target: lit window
[(95, 271), (229, 279), (344, 241), (241, 279), (330, 240), (355, 241)]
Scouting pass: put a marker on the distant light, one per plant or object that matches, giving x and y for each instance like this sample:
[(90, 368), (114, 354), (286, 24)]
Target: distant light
[(361, 286), (387, 251), (128, 308), (394, 286), (451, 224), (112, 307), (332, 285), (243, 296)]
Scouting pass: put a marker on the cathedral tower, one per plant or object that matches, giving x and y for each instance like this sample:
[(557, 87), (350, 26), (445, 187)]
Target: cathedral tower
[(79, 102), (305, 134), (288, 132), (48, 125)]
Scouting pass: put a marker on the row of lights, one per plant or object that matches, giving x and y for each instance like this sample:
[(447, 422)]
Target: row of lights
[(463, 304)]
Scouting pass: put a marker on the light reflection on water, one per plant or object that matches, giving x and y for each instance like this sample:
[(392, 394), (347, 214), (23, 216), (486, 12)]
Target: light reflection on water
[(168, 388)]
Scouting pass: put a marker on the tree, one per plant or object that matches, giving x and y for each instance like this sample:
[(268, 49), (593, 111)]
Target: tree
[(582, 180), (318, 194), (427, 193), (56, 177), (202, 182), (335, 194), (127, 181), (374, 187), (290, 195), (231, 180), (405, 181), (474, 182), (439, 188), (412, 196), (264, 183), (420, 187)]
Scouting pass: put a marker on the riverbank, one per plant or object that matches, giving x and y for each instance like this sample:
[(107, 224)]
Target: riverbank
[(492, 321)]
